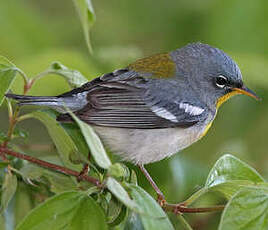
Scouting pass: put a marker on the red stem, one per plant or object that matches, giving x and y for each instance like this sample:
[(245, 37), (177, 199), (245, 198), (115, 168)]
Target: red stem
[(178, 208), (175, 208), (51, 166)]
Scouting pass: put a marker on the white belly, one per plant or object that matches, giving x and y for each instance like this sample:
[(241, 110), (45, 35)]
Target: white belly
[(143, 146)]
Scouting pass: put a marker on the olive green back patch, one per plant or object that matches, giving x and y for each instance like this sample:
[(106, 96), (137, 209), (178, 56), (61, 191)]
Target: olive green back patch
[(159, 65)]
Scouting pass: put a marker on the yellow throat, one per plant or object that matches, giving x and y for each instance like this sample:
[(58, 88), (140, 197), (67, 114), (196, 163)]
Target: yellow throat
[(225, 97), (219, 102)]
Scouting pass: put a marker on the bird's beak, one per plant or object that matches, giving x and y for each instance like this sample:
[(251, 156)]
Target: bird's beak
[(246, 91)]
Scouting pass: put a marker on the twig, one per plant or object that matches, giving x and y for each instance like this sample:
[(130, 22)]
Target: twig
[(12, 124), (24, 76), (179, 208), (51, 166), (175, 208), (13, 117)]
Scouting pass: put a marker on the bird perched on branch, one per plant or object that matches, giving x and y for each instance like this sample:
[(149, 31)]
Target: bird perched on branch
[(156, 106)]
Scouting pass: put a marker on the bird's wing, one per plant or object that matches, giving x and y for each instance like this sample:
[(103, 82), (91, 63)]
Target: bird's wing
[(122, 99)]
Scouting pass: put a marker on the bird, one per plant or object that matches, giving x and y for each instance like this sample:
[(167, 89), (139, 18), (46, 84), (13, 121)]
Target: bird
[(156, 106)]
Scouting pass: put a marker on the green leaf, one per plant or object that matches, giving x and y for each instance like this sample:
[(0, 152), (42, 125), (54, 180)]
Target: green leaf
[(88, 216), (73, 77), (120, 193), (58, 182), (18, 132), (229, 188), (151, 214), (229, 168), (119, 171), (229, 174), (8, 190), (7, 76), (133, 177), (60, 137), (87, 17), (133, 222), (94, 143), (247, 210), (119, 218), (75, 133), (69, 210)]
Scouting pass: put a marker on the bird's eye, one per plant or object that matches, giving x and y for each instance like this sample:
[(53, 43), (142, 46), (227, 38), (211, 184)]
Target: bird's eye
[(221, 81)]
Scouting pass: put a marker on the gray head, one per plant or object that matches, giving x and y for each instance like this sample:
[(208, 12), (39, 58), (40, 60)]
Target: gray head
[(210, 72)]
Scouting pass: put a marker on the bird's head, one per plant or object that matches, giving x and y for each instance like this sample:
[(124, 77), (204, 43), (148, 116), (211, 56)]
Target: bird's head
[(210, 72)]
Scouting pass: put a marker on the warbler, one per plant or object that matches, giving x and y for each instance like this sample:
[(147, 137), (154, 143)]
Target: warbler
[(156, 106)]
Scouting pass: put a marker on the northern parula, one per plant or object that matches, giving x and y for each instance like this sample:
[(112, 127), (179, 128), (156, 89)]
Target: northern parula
[(157, 105)]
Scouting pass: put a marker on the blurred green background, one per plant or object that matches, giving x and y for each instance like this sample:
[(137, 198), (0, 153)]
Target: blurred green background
[(34, 33)]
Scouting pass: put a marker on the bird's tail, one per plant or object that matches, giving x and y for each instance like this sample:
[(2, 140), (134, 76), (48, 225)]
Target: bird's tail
[(32, 100), (59, 103), (53, 102)]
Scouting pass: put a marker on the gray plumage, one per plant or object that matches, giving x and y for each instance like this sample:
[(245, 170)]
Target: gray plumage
[(145, 119), (58, 103)]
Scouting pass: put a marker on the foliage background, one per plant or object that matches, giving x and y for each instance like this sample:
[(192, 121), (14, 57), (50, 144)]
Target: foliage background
[(35, 33)]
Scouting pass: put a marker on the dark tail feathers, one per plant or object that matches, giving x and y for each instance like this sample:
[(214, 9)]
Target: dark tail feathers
[(58, 103), (33, 100)]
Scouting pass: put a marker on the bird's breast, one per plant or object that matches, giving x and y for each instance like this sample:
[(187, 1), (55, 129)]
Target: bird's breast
[(143, 146)]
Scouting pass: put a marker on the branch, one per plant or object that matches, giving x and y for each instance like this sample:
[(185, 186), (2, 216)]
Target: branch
[(179, 208), (51, 166), (175, 208)]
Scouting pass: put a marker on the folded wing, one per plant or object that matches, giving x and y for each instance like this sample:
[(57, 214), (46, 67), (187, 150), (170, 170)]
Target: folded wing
[(121, 99)]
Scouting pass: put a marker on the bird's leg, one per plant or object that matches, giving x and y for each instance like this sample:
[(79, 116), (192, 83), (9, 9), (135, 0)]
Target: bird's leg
[(179, 208), (160, 197)]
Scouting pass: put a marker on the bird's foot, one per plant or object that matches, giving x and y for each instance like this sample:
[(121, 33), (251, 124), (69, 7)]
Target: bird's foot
[(177, 209), (161, 200)]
